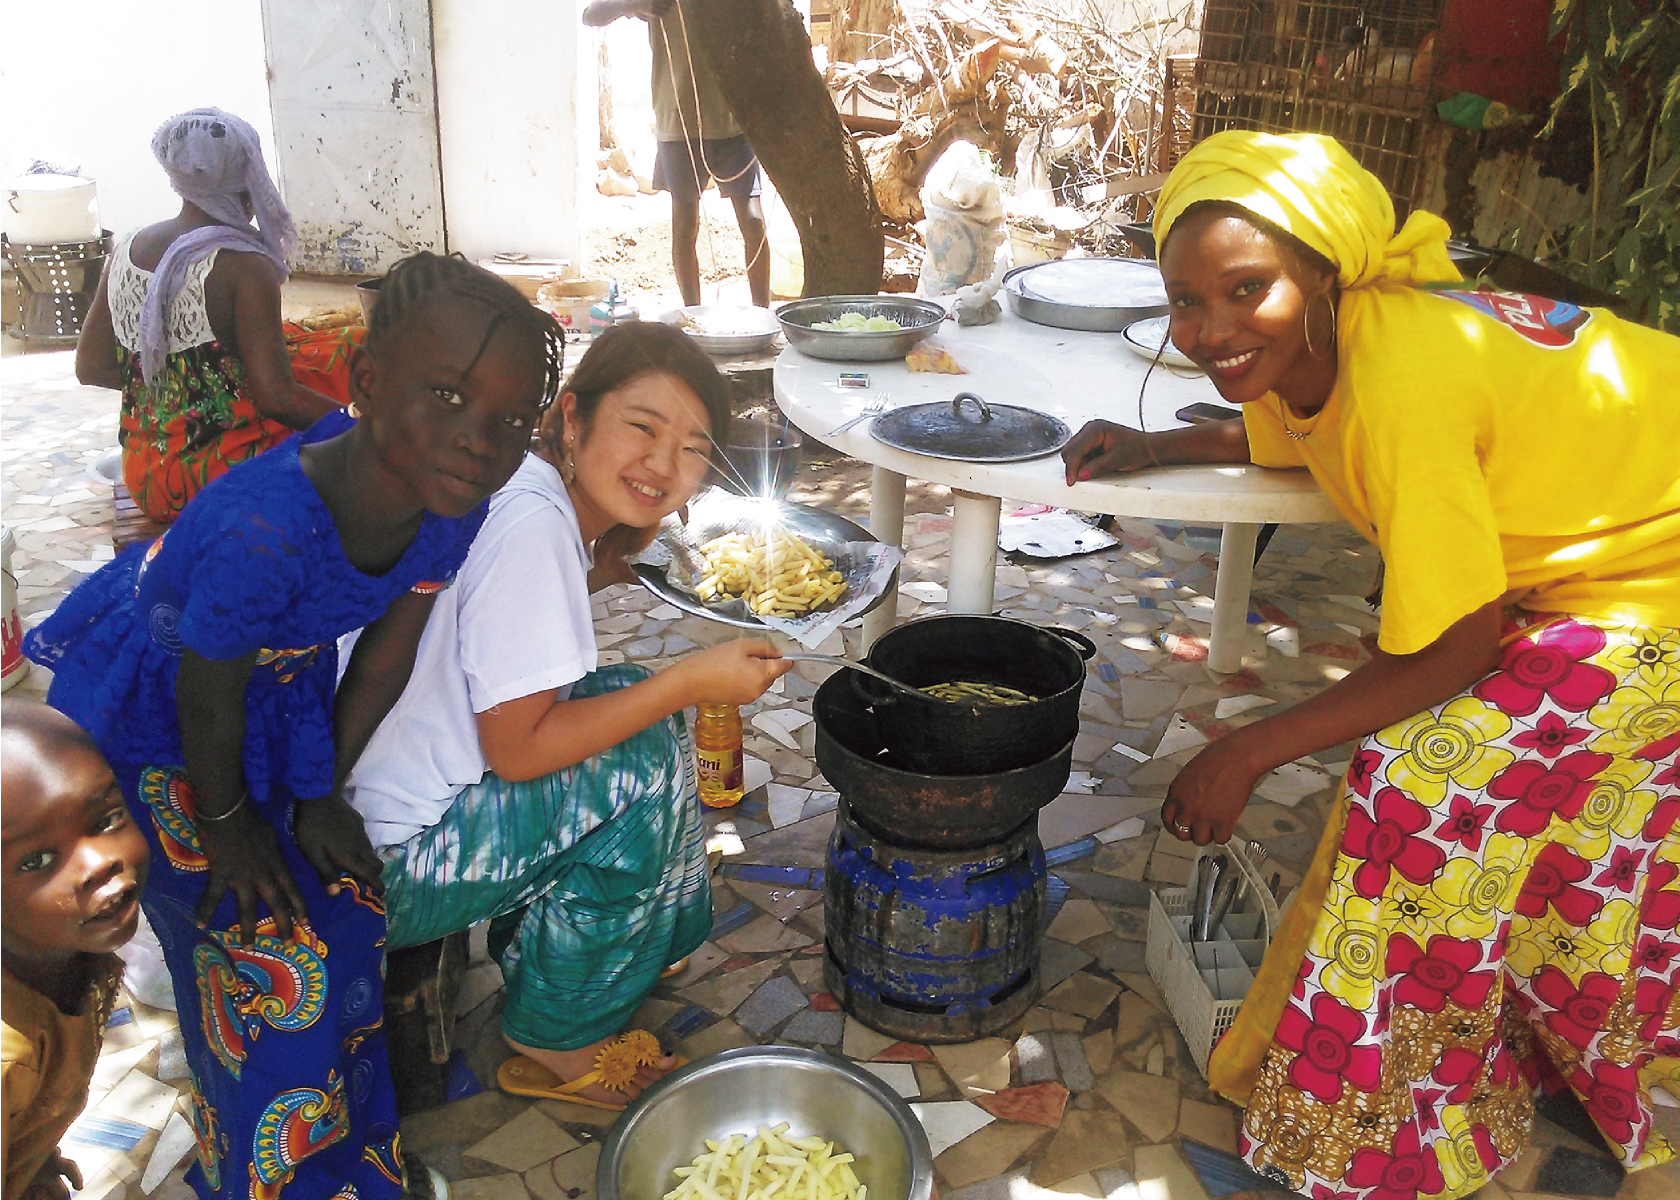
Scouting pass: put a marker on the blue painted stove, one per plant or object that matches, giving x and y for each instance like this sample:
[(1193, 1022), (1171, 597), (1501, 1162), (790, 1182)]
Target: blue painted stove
[(933, 945)]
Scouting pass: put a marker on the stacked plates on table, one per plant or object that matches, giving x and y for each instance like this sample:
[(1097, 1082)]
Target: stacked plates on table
[(1149, 337)]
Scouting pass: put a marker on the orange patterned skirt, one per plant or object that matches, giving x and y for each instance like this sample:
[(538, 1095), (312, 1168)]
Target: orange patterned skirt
[(197, 420)]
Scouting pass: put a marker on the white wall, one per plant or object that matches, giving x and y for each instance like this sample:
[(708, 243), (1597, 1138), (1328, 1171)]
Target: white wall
[(86, 82), (508, 82), (630, 59), (355, 117)]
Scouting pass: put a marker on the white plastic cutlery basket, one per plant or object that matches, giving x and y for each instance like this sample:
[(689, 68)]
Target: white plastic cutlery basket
[(1205, 982)]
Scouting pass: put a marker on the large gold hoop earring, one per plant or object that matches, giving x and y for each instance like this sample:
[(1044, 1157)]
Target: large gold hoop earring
[(1306, 325)]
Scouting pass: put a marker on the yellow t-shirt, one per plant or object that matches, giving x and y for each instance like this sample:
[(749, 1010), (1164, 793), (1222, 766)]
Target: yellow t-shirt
[(46, 1060), (1493, 444)]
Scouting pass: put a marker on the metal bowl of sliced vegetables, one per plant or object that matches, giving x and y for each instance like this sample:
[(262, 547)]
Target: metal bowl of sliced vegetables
[(827, 1127), (858, 328)]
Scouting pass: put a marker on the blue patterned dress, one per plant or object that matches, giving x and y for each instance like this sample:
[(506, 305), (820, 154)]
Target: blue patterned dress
[(290, 1084)]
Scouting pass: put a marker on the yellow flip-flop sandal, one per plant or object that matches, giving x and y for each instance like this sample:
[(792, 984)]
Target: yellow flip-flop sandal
[(615, 1069)]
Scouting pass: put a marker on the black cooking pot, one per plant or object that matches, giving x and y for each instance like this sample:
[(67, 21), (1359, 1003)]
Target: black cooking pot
[(939, 737), (942, 812)]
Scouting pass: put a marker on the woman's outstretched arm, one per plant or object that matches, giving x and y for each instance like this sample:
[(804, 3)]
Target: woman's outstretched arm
[(1104, 448), (1210, 793), (538, 735)]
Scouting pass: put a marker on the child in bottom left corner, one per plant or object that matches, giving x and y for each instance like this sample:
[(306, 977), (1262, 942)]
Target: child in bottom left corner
[(74, 865)]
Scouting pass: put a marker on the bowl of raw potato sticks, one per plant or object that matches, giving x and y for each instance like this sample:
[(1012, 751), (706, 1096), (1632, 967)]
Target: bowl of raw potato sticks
[(767, 1123)]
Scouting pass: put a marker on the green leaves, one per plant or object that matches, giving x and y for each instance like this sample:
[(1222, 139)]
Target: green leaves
[(1621, 59)]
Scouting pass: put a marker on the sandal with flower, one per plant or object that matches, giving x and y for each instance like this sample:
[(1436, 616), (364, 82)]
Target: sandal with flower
[(615, 1069)]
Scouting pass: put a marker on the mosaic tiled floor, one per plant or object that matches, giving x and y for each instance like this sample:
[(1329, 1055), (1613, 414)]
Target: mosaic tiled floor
[(1093, 1093)]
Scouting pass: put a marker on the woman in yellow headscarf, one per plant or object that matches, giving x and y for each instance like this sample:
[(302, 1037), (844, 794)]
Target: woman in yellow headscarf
[(1495, 899)]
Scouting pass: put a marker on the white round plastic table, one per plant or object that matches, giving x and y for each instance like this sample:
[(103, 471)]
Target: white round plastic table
[(1077, 377)]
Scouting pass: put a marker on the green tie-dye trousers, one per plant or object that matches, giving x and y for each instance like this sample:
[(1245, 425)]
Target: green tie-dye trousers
[(601, 865)]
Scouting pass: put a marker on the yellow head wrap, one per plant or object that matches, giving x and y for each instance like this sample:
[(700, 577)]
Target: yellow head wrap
[(1309, 186)]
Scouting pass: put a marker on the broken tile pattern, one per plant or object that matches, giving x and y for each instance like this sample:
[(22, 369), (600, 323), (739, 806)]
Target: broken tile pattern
[(1094, 1093)]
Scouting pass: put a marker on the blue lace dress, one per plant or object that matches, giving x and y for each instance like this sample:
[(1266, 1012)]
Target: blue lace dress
[(290, 1083)]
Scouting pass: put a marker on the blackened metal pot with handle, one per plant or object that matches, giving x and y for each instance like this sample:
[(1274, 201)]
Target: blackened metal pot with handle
[(943, 812), (940, 737)]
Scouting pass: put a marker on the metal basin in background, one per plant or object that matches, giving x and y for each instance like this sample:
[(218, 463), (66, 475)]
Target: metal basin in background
[(760, 457), (367, 294), (817, 1094), (750, 330), (1099, 295)]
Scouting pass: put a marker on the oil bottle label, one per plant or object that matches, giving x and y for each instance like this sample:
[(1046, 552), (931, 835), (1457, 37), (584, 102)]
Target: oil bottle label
[(720, 770)]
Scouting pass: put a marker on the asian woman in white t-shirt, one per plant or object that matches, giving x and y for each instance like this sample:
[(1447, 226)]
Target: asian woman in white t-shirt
[(515, 782)]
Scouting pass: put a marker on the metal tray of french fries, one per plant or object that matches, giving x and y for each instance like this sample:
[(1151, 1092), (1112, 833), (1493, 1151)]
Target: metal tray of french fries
[(675, 567)]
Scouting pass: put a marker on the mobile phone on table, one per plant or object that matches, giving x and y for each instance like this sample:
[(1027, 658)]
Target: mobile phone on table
[(1195, 414)]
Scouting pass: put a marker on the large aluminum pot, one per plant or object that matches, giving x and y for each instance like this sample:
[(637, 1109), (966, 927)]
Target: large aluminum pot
[(44, 209)]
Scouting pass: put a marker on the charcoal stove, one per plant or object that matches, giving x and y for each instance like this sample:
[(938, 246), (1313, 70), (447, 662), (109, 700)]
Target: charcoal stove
[(934, 896), (56, 282)]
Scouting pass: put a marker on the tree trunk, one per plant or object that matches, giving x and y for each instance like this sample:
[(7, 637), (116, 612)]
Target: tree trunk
[(858, 28), (760, 52)]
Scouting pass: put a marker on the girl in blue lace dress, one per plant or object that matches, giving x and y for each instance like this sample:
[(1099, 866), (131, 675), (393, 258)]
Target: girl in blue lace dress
[(204, 666)]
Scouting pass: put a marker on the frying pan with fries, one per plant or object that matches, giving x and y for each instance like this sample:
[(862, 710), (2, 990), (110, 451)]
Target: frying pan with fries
[(750, 563)]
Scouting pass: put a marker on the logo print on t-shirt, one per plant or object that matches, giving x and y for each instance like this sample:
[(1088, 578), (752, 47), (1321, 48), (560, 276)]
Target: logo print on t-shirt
[(1549, 323)]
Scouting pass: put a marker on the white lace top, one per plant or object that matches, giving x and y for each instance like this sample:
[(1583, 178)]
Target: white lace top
[(125, 288)]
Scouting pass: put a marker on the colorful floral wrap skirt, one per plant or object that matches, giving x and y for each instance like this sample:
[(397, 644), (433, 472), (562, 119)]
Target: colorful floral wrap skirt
[(290, 1088), (1493, 908), (197, 420)]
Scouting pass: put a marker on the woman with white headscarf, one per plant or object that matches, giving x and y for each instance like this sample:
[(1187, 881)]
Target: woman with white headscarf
[(186, 323)]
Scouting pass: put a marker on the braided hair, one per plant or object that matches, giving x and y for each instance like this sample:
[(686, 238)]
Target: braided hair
[(423, 279)]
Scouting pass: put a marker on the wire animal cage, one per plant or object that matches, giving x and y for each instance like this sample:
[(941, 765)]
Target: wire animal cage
[(1176, 119), (1358, 72)]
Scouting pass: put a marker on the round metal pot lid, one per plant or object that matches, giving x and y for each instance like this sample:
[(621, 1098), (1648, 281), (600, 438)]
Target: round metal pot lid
[(970, 430), (1092, 283)]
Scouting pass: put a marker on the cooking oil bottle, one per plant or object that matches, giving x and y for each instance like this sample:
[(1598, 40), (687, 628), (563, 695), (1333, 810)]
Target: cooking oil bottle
[(717, 752)]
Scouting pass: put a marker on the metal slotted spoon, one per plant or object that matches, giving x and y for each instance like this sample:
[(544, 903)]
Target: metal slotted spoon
[(835, 660)]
